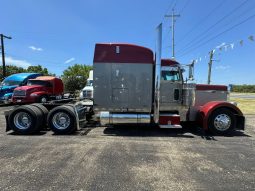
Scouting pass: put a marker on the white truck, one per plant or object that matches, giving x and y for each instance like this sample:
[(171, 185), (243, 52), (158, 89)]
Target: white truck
[(87, 91)]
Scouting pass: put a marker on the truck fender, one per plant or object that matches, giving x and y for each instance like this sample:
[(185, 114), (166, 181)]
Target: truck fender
[(206, 110)]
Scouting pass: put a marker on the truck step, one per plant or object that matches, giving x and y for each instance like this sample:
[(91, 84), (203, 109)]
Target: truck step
[(169, 120), (170, 126)]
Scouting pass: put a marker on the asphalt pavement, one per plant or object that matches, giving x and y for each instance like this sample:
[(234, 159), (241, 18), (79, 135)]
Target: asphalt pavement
[(128, 158)]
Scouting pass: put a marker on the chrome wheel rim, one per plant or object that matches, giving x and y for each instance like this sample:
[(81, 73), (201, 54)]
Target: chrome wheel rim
[(61, 120), (222, 122), (43, 99), (22, 120)]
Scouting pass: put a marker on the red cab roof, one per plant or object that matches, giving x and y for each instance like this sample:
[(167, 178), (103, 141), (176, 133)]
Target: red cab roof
[(169, 62), (122, 53)]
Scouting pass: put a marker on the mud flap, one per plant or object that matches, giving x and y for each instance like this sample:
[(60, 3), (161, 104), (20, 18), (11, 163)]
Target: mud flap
[(6, 114), (240, 122)]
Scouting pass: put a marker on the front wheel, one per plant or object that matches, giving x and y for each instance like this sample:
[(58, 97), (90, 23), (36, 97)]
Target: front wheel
[(222, 121), (43, 99)]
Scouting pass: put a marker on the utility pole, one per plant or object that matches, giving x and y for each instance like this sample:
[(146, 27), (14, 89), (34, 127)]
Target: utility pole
[(210, 66), (173, 16), (3, 55)]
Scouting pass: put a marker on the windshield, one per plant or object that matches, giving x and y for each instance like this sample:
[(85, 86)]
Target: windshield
[(170, 75), (39, 82), (7, 82), (89, 83)]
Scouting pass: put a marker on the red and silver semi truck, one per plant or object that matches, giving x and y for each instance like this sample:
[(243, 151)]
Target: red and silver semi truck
[(131, 86)]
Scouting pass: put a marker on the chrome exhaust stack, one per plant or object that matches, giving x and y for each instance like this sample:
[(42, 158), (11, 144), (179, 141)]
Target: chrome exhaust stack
[(157, 73)]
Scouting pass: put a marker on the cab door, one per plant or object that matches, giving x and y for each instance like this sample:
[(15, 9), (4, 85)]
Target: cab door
[(170, 89)]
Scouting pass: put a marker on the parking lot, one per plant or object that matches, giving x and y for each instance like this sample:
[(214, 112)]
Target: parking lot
[(128, 158)]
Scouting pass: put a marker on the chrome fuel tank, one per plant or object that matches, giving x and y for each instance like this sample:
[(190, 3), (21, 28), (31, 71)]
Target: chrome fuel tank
[(107, 118)]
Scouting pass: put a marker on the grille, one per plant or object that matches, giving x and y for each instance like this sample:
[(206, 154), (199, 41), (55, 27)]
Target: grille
[(19, 93), (87, 94)]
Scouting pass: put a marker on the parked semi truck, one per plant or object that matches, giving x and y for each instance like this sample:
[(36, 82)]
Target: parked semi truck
[(11, 82), (88, 90), (132, 86), (39, 90)]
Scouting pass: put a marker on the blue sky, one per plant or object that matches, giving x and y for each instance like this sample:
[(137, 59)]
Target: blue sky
[(60, 33)]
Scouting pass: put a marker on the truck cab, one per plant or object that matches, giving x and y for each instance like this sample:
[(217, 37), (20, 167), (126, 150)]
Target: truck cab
[(87, 91), (170, 84), (13, 81), (40, 89)]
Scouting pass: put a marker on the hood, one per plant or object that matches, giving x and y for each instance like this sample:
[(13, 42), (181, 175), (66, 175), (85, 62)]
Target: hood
[(3, 88), (37, 87), (6, 89), (88, 88)]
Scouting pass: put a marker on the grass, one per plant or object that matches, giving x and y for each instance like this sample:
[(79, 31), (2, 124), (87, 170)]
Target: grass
[(237, 93), (247, 106)]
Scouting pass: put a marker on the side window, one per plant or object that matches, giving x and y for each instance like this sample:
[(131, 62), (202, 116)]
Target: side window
[(24, 82)]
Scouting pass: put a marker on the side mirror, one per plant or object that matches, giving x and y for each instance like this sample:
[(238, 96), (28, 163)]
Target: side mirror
[(191, 71)]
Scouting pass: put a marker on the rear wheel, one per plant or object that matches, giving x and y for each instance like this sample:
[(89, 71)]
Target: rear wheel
[(62, 120), (44, 111), (222, 121), (26, 119)]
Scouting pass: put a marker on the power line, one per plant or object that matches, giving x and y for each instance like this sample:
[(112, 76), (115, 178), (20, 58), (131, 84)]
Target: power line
[(168, 8), (175, 4), (185, 5), (202, 21), (201, 35), (216, 36), (204, 39)]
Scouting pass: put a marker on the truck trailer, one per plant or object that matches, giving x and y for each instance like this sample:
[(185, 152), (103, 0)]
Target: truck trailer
[(132, 85)]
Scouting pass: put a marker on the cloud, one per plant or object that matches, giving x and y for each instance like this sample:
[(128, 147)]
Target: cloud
[(69, 60), (15, 62), (222, 67), (35, 48)]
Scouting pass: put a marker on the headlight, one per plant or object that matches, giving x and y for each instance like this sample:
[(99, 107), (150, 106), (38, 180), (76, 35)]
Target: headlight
[(33, 95)]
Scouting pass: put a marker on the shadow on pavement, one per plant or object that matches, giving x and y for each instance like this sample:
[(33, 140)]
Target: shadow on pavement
[(34, 134), (145, 131)]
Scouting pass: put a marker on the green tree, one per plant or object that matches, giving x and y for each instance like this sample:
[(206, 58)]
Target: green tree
[(39, 69), (75, 77), (10, 69), (244, 88)]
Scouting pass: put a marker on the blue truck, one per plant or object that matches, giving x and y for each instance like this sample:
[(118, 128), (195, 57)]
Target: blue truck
[(11, 82)]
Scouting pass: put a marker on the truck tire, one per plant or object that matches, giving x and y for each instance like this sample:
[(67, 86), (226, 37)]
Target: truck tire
[(43, 99), (25, 119), (222, 122), (44, 110), (62, 120)]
